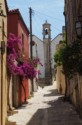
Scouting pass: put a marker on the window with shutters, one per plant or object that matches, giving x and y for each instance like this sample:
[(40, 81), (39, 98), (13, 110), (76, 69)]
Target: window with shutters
[(22, 43)]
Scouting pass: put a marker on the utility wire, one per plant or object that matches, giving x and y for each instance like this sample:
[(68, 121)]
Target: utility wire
[(55, 28), (51, 24), (35, 24), (49, 16), (40, 17)]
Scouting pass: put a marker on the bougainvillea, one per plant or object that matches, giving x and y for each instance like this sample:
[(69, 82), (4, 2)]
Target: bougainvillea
[(13, 53), (13, 44), (26, 68), (35, 62)]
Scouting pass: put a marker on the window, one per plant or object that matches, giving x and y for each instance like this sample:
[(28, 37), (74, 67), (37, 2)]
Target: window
[(22, 43)]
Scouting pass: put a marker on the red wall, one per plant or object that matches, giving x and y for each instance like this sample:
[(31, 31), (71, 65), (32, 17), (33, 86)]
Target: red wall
[(17, 27), (13, 24)]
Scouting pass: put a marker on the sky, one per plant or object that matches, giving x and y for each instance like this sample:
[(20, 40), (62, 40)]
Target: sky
[(50, 10)]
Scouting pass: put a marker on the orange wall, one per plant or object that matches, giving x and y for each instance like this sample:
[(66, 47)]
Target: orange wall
[(21, 30), (21, 91)]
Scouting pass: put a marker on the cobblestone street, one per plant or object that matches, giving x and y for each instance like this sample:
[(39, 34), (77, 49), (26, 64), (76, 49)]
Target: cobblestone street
[(46, 108)]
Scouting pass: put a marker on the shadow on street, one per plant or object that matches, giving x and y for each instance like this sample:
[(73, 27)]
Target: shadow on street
[(57, 112), (52, 93)]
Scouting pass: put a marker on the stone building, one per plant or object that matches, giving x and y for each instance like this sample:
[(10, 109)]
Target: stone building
[(73, 11), (3, 77)]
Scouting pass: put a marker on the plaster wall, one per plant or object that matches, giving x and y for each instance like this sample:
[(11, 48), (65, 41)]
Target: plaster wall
[(3, 76), (40, 54)]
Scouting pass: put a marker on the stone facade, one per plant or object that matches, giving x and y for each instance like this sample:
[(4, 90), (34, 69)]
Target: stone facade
[(3, 77), (73, 9), (60, 78)]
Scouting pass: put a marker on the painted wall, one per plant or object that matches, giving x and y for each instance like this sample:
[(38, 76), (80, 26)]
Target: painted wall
[(3, 75), (40, 54), (17, 27), (22, 30), (12, 28), (13, 24), (40, 51), (23, 92)]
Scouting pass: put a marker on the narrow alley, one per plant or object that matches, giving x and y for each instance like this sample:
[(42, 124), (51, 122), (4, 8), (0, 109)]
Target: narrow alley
[(46, 108)]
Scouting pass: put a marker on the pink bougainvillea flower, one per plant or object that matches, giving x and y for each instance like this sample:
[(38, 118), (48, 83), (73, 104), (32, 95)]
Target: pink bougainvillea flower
[(24, 69)]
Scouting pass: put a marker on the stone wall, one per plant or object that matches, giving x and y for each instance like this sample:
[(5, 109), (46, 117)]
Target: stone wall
[(76, 92), (73, 9), (60, 78)]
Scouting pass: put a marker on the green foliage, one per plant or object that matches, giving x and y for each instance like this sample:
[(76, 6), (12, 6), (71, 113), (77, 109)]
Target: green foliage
[(57, 58), (79, 66), (59, 52), (70, 57)]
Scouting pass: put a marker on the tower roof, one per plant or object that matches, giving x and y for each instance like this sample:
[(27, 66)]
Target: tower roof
[(46, 22)]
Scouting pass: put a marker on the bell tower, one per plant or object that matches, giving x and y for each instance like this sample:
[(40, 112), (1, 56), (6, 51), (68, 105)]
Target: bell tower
[(47, 51)]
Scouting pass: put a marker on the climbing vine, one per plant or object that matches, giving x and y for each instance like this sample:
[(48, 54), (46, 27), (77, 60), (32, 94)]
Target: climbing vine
[(70, 57), (25, 68)]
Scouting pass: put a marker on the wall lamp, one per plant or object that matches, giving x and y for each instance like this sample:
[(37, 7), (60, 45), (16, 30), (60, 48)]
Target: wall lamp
[(2, 48), (78, 27)]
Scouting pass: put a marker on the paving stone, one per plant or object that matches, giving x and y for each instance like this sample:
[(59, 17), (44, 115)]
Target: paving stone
[(46, 108)]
